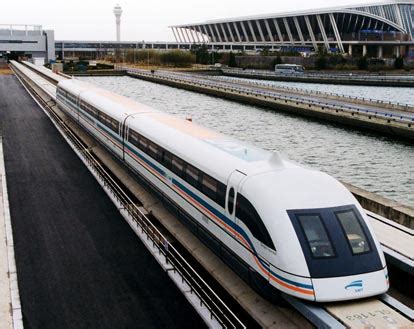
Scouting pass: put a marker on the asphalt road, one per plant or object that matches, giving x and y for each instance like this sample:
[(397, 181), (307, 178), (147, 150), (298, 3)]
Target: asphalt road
[(79, 264)]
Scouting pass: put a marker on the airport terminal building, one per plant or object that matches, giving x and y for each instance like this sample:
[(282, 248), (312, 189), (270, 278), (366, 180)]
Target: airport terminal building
[(386, 26), (26, 40), (381, 30)]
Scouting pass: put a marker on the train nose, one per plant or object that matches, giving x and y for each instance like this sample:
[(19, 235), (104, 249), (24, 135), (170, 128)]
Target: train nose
[(351, 287)]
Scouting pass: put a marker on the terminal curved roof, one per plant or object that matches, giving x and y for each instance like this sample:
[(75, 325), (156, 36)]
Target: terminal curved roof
[(389, 20)]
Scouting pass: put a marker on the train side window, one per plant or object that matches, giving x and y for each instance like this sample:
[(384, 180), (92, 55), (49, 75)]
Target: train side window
[(221, 194), (192, 175), (209, 187), (114, 125), (154, 151), (102, 118), (167, 159), (133, 138), (353, 231), (249, 216), (178, 166), (230, 201), (143, 144), (316, 235), (93, 111)]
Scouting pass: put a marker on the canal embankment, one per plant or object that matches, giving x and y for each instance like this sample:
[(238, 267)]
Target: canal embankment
[(382, 206), (355, 79), (371, 118)]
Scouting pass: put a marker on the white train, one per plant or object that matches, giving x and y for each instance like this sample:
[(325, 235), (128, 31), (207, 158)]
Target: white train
[(279, 225)]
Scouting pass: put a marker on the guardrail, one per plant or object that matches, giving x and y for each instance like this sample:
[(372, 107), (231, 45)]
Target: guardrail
[(373, 101), (356, 77), (271, 95), (208, 298)]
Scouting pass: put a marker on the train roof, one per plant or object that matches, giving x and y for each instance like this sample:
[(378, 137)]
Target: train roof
[(211, 151)]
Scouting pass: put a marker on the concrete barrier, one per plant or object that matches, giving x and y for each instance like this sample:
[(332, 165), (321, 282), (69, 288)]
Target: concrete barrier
[(315, 111), (343, 80), (98, 73), (382, 206)]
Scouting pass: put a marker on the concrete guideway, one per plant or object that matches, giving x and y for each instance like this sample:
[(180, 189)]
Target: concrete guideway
[(370, 313), (369, 106), (328, 78), (10, 307), (379, 109), (212, 265), (90, 270), (361, 117), (396, 240), (403, 108)]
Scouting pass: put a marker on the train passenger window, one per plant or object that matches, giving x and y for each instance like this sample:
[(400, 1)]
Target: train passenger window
[(318, 240), (209, 187), (154, 151), (354, 232), (93, 111), (102, 118), (143, 143), (167, 159), (249, 216), (178, 166), (133, 138), (71, 97), (221, 194), (191, 175), (114, 125), (230, 201)]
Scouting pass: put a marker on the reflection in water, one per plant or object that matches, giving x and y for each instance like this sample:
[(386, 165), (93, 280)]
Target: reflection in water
[(377, 164)]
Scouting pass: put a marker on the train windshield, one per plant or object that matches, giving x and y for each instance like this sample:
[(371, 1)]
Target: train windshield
[(353, 231), (316, 236), (335, 241)]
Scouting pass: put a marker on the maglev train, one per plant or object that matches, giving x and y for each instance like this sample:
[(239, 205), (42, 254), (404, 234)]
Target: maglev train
[(280, 226)]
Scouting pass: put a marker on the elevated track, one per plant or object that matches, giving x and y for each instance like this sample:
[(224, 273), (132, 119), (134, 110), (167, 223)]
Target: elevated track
[(373, 312)]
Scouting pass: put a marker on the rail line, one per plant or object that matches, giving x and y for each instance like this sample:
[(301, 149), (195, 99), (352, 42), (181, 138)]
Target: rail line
[(341, 315)]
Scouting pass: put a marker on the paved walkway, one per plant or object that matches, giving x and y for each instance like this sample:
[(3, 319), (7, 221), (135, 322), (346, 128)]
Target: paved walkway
[(79, 264)]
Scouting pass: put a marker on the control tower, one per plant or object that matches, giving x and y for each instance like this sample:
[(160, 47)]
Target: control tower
[(118, 12)]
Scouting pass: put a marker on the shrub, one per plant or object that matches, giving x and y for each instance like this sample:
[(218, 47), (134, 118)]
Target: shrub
[(362, 63), (232, 60), (321, 63), (177, 58), (399, 63)]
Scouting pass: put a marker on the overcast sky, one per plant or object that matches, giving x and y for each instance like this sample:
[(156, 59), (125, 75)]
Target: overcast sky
[(142, 19)]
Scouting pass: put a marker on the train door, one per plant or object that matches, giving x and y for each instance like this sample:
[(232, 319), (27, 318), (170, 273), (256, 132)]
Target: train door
[(233, 186), (124, 132)]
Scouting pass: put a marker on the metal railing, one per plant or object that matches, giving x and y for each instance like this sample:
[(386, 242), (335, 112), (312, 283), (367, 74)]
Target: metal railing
[(331, 76), (270, 85), (275, 96), (208, 298)]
